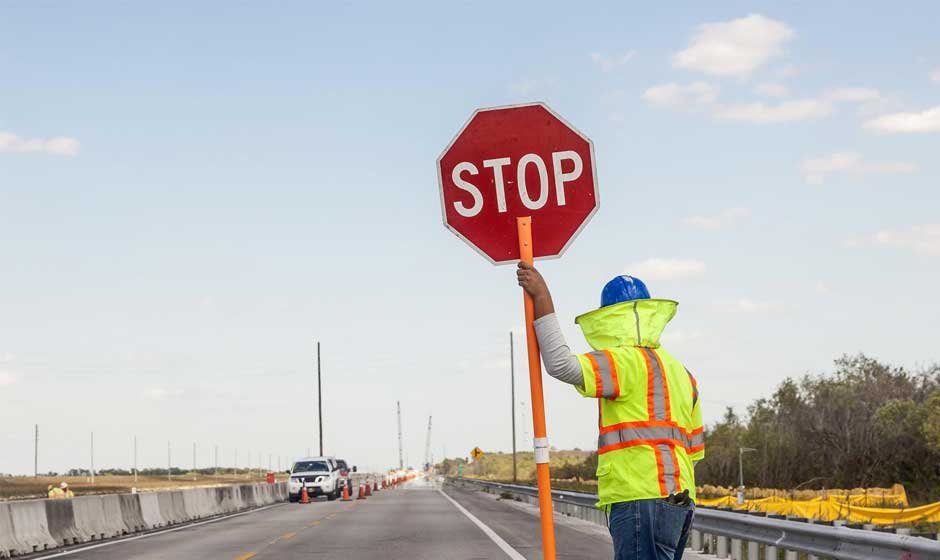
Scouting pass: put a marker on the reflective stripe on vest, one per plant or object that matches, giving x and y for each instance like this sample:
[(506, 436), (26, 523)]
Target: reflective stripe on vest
[(657, 392), (647, 433), (607, 383)]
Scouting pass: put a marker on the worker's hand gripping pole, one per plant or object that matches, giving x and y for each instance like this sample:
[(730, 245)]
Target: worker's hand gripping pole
[(524, 226)]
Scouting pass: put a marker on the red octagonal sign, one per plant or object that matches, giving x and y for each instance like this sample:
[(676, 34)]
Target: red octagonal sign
[(516, 161)]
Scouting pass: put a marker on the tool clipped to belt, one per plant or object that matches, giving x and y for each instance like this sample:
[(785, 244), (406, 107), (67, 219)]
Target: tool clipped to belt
[(679, 499)]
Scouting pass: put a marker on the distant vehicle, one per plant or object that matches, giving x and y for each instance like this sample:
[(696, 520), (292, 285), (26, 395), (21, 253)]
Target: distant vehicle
[(320, 475)]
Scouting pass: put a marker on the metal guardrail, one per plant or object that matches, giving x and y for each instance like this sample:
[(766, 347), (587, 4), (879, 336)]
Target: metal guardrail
[(826, 541)]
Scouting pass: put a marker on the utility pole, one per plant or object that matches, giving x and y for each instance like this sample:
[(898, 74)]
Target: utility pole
[(427, 448), (216, 460), (512, 393), (135, 459), (320, 398), (401, 458), (93, 458), (36, 453), (194, 460), (169, 471), (235, 466)]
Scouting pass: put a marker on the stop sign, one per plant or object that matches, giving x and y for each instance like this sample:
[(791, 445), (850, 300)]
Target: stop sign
[(509, 162)]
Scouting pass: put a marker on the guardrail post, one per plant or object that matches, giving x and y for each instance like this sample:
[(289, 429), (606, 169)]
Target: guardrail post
[(770, 552), (753, 551), (722, 547), (736, 553), (696, 540), (791, 555)]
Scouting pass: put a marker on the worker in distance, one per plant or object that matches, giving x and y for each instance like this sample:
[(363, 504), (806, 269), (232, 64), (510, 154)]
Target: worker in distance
[(648, 406)]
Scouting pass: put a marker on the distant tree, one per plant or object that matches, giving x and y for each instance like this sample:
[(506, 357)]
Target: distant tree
[(866, 424)]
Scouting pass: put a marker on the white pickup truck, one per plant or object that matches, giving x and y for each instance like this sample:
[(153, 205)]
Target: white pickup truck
[(320, 475)]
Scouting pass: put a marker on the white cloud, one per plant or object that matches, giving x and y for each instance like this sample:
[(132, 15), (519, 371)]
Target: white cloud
[(787, 111), (922, 239), (924, 121), (935, 76), (160, 393), (608, 63), (853, 94), (849, 162), (750, 306), (60, 145), (7, 378), (675, 95), (734, 48), (822, 288), (667, 269), (680, 336), (771, 89), (797, 109), (532, 87), (724, 218)]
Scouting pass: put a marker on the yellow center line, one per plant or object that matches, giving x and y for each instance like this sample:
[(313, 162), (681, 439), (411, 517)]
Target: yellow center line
[(331, 516), (313, 523), (288, 536), (245, 556)]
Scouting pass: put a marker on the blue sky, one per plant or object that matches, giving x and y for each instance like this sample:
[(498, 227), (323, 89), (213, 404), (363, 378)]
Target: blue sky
[(191, 196)]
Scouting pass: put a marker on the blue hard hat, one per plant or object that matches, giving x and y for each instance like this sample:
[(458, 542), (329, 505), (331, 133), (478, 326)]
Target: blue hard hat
[(623, 288)]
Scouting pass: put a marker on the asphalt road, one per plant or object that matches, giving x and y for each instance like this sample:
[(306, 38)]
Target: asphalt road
[(416, 522)]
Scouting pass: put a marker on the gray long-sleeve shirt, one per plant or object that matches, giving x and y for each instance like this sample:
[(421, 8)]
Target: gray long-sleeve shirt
[(557, 358)]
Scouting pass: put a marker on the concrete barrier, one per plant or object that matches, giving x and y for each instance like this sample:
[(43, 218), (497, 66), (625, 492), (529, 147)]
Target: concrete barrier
[(30, 526), (113, 519), (130, 512), (9, 545), (228, 498), (61, 520), (37, 525), (150, 511), (197, 503), (179, 506), (248, 500), (190, 505), (165, 503), (89, 518)]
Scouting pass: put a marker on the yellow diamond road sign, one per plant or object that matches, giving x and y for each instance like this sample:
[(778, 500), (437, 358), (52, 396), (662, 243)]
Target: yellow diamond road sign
[(476, 453)]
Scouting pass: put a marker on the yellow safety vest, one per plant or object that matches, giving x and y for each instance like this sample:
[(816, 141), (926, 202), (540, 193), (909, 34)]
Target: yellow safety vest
[(649, 416)]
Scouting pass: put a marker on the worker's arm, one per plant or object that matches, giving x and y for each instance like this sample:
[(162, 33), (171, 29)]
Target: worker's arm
[(557, 358)]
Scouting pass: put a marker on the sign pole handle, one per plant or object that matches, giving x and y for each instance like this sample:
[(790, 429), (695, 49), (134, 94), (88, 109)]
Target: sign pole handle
[(524, 227)]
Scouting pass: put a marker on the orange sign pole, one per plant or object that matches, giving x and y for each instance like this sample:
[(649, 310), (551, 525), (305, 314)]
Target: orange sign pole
[(524, 227)]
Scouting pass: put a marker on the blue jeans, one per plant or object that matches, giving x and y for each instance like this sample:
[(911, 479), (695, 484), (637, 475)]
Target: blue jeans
[(649, 529)]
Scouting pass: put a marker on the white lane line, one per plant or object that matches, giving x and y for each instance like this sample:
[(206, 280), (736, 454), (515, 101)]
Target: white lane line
[(503, 545), (153, 534)]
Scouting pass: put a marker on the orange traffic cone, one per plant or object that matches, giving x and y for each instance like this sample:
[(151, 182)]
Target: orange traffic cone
[(304, 497), (362, 493), (346, 497), (375, 486), (368, 489)]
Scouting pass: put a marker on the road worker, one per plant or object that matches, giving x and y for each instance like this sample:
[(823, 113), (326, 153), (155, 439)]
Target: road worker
[(53, 492), (649, 415), (65, 490)]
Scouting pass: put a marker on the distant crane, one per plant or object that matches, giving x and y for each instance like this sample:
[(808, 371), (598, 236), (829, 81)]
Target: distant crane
[(427, 448), (401, 458)]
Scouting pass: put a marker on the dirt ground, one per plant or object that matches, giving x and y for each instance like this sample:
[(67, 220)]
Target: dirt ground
[(27, 487)]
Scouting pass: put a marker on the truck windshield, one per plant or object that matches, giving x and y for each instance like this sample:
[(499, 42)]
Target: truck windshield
[(310, 466)]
